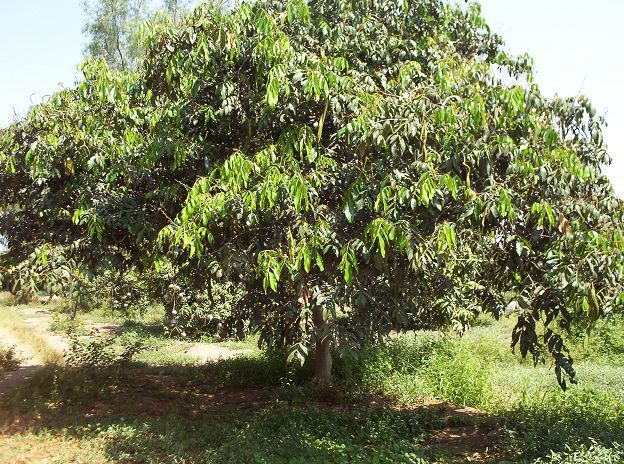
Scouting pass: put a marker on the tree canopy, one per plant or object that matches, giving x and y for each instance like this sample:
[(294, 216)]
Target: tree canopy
[(359, 166)]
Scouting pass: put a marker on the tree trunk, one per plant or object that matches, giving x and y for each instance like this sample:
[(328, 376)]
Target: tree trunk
[(322, 354)]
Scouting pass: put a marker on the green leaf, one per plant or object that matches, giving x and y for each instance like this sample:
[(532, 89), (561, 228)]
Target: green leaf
[(319, 262), (349, 210), (307, 259), (272, 281), (382, 245), (272, 93)]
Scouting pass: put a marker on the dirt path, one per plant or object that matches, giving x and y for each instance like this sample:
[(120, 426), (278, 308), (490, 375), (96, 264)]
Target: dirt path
[(41, 321), (29, 363), (205, 352)]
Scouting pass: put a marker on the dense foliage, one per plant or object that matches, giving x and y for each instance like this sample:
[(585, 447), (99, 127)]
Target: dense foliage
[(357, 166)]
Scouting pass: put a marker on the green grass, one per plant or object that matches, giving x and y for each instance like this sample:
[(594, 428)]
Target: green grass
[(273, 433), (232, 411), (153, 315), (249, 343), (416, 367), (389, 404), (255, 409), (593, 454)]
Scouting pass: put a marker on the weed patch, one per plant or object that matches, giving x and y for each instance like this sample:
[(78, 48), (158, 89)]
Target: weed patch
[(9, 361)]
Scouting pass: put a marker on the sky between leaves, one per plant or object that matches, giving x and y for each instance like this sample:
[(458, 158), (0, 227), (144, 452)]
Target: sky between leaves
[(576, 44)]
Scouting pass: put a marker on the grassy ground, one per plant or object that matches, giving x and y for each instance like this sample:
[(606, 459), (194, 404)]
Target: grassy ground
[(390, 405), (12, 322), (146, 327)]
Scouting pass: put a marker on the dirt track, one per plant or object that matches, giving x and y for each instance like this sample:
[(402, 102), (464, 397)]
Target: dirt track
[(28, 366)]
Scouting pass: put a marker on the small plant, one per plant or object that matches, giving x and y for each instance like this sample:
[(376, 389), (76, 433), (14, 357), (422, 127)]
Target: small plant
[(103, 352), (594, 454), (9, 361), (63, 323)]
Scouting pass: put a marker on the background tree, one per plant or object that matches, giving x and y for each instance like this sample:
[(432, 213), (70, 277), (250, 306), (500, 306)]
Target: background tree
[(358, 167), (112, 25), (111, 31), (177, 8)]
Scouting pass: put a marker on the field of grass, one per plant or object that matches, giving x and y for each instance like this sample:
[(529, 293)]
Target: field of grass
[(424, 398)]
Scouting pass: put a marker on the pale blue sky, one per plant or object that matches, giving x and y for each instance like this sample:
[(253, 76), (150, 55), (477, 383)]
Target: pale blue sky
[(577, 45)]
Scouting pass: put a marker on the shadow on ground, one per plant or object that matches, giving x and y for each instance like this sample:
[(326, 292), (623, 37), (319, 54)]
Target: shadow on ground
[(253, 410), (13, 379)]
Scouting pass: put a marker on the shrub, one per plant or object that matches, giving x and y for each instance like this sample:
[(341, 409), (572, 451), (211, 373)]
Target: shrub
[(258, 370), (457, 375), (192, 313), (606, 342), (9, 360), (103, 352), (126, 292)]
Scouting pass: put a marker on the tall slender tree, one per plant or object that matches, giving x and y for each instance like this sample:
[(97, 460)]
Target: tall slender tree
[(111, 28), (176, 8), (112, 25)]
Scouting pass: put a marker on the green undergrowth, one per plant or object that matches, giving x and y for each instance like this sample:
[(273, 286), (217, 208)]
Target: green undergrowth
[(387, 405), (480, 370), (592, 454), (416, 367), (273, 434), (604, 344)]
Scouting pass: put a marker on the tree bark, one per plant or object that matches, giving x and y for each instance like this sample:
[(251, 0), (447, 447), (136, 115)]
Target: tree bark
[(322, 353)]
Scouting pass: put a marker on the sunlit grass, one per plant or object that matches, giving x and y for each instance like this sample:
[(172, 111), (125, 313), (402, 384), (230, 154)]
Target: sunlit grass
[(167, 407), (11, 321)]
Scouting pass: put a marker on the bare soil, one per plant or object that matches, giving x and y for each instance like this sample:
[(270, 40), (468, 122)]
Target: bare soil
[(205, 352), (40, 320)]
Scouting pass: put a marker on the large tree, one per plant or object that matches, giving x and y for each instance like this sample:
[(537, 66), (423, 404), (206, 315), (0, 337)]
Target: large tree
[(358, 166)]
